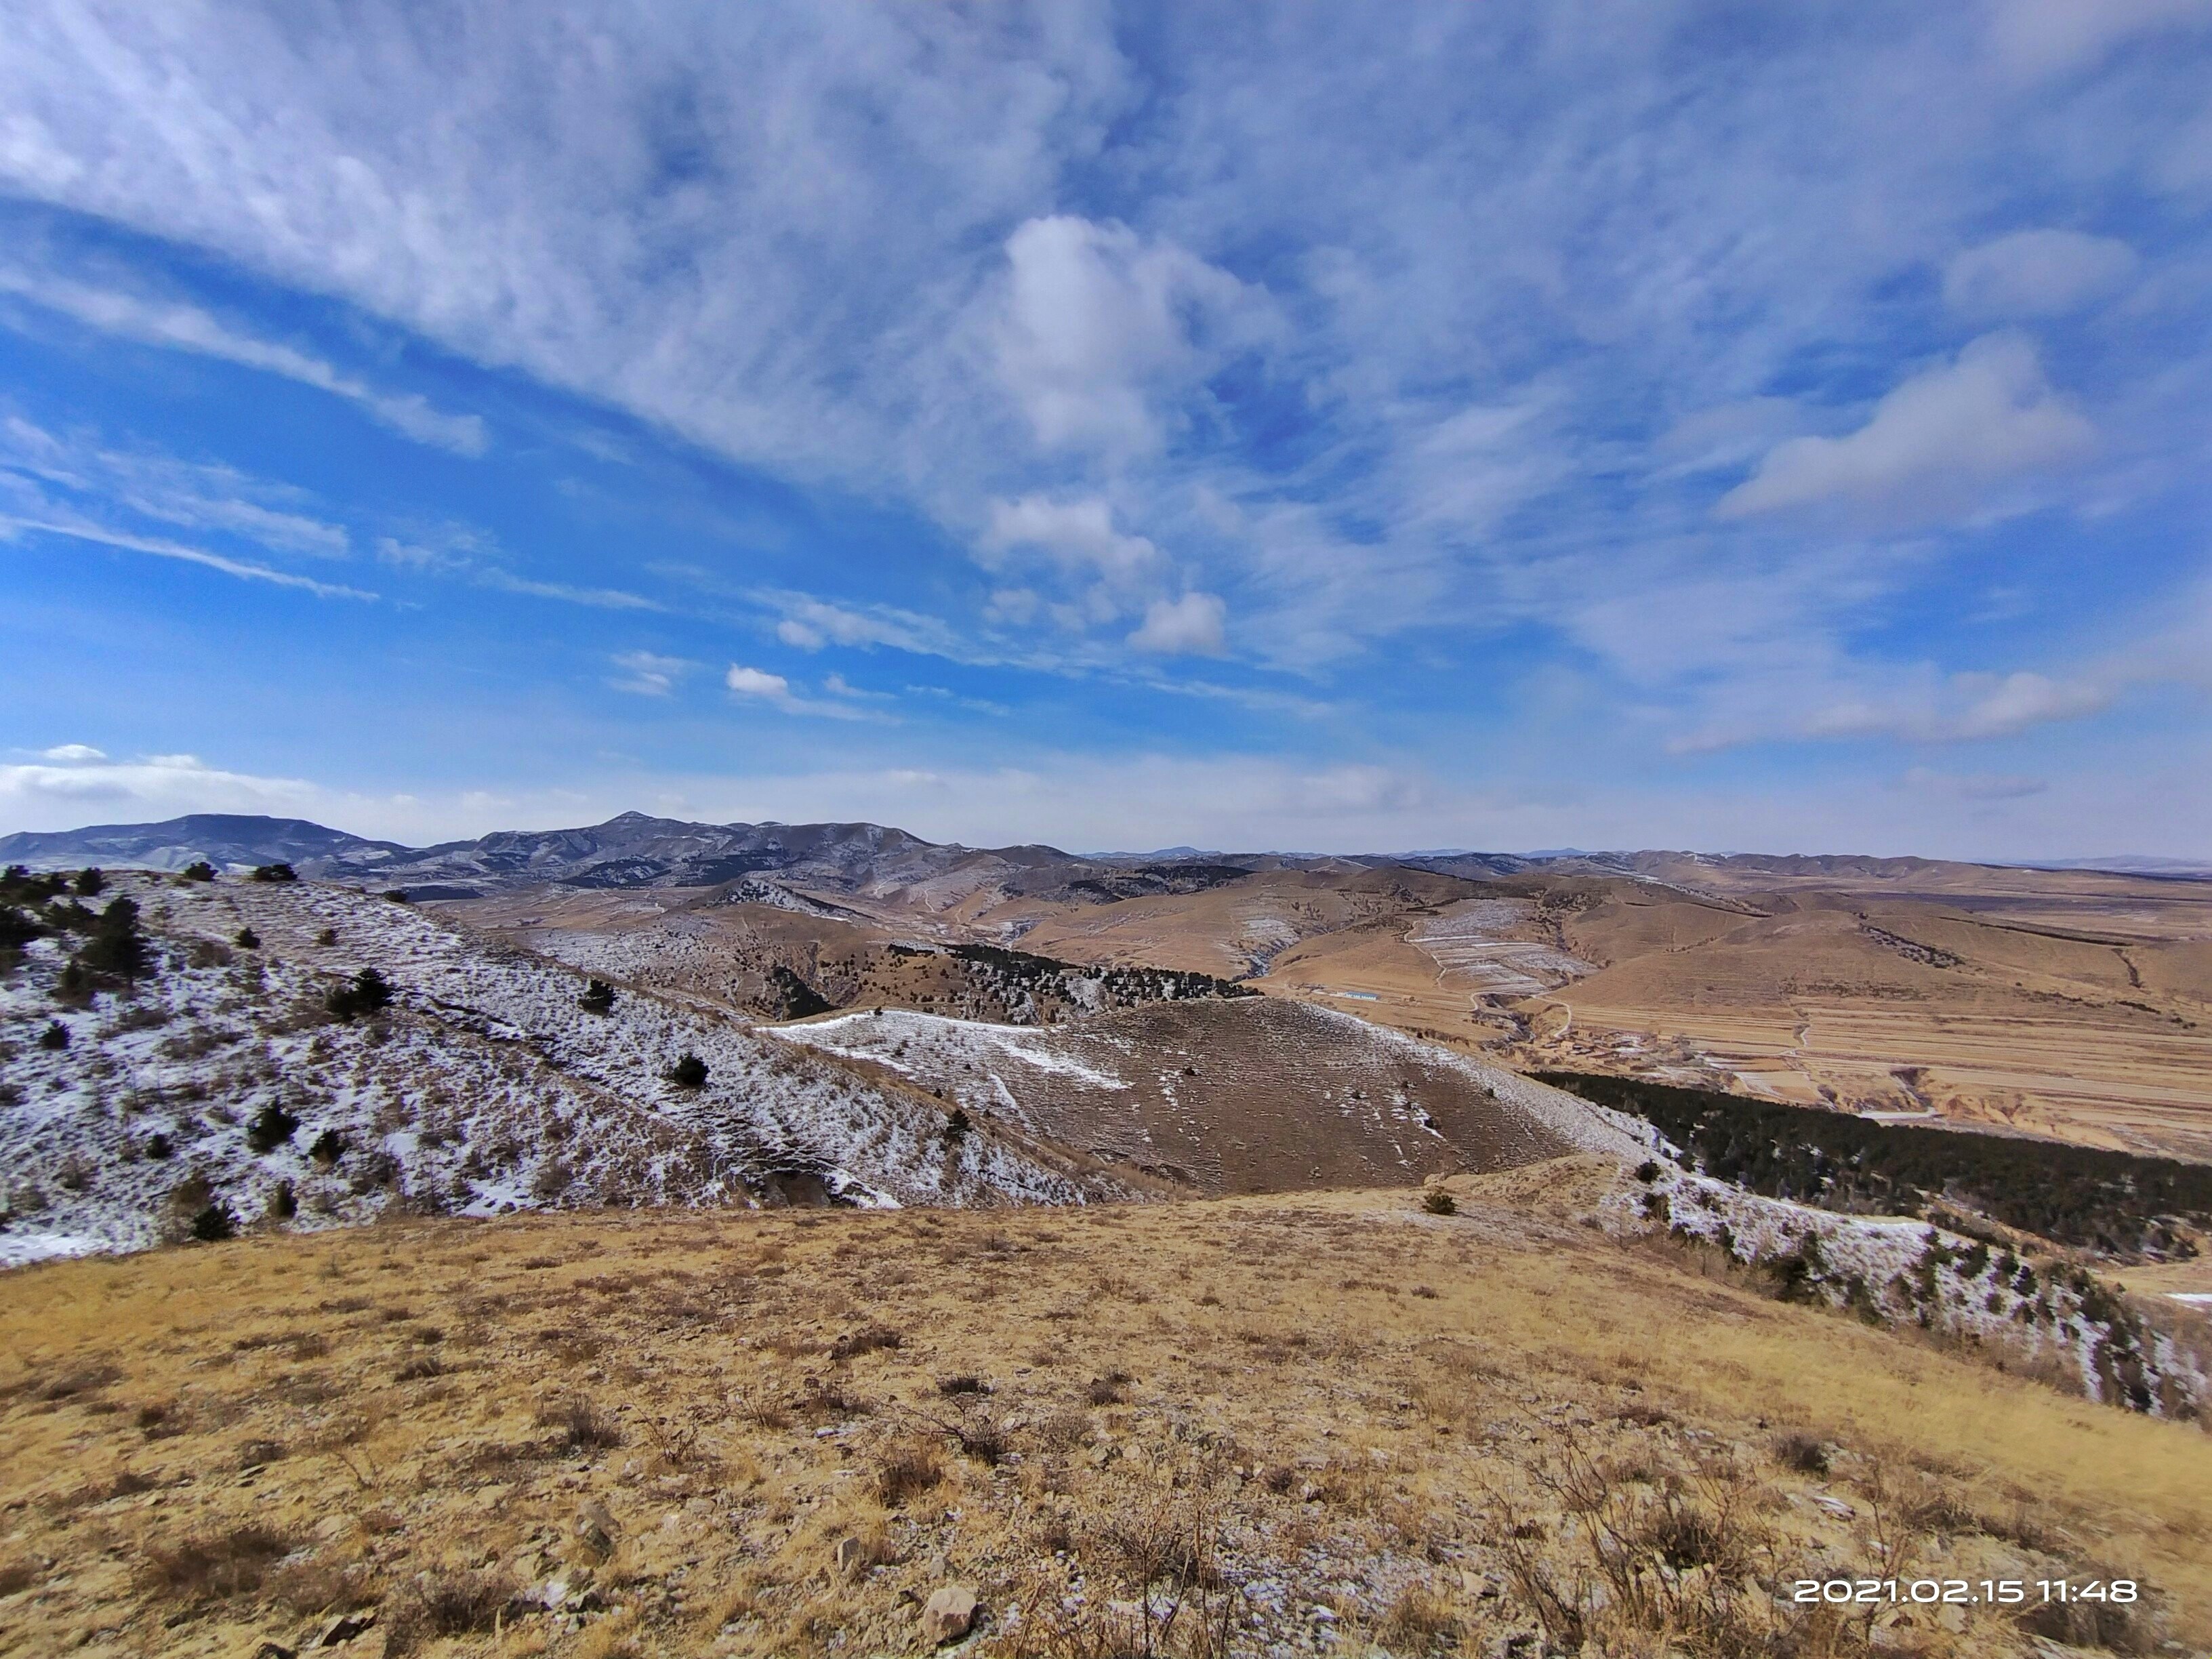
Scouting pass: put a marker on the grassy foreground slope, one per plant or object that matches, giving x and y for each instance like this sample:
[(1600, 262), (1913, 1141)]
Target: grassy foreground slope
[(1326, 1422)]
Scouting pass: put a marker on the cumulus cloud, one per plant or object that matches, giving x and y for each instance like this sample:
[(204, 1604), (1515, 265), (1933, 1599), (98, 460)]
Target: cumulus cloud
[(2036, 273), (1099, 324), (72, 753), (1189, 626), (185, 327), (758, 685), (1939, 444), (1078, 534)]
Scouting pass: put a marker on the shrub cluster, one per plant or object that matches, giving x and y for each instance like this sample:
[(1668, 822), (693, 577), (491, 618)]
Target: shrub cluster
[(367, 992), (2116, 1202), (113, 951)]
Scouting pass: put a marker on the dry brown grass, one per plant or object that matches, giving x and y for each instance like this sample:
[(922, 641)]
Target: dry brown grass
[(1568, 1437)]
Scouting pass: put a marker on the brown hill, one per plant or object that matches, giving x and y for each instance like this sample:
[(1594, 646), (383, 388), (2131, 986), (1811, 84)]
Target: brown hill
[(1252, 1095), (1314, 1424)]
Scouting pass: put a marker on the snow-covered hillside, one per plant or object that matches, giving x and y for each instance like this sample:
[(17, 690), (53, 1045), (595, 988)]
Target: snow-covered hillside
[(484, 1087), (2048, 1315)]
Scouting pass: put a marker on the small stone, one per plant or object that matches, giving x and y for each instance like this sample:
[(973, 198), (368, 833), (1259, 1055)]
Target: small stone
[(850, 1556), (274, 1650), (949, 1615), (344, 1628), (595, 1527)]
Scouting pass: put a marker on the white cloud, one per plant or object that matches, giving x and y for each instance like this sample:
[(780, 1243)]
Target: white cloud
[(1100, 327), (72, 753), (1939, 444), (2036, 273), (1973, 707), (1078, 535), (161, 548), (2036, 38), (757, 683), (776, 691), (647, 675), (153, 787), (106, 483), (187, 328), (1189, 626), (603, 598), (809, 624), (470, 556)]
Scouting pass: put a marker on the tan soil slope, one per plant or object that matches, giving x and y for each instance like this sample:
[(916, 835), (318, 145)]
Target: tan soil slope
[(1306, 1422), (1249, 1095), (1231, 930)]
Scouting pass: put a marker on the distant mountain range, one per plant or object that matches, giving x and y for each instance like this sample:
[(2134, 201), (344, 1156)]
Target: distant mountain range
[(636, 850), (226, 840)]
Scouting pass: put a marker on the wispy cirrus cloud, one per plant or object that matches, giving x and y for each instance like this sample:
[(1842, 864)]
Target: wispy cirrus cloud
[(185, 327), (12, 526), (647, 674), (1272, 361), (471, 555)]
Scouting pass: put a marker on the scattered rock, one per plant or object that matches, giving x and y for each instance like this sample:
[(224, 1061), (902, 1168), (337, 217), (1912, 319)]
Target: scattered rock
[(1835, 1506), (345, 1628), (274, 1650), (595, 1527), (949, 1615)]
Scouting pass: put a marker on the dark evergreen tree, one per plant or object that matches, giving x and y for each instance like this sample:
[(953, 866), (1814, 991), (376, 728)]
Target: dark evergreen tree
[(369, 993), (271, 1128)]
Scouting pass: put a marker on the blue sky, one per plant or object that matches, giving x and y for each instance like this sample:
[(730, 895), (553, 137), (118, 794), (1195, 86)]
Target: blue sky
[(1604, 424)]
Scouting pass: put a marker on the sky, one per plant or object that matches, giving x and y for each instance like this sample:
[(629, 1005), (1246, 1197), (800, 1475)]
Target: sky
[(1607, 424)]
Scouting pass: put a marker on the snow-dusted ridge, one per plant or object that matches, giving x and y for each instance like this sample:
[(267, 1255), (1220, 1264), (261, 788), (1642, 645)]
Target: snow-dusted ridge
[(485, 1088), (2051, 1315)]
